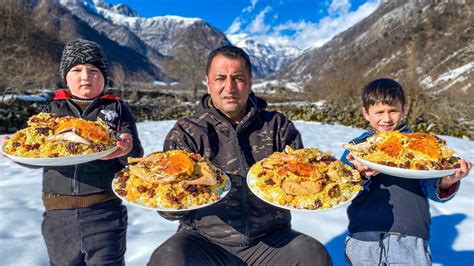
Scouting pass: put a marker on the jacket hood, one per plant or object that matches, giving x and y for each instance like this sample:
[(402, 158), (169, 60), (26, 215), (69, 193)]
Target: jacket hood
[(66, 94)]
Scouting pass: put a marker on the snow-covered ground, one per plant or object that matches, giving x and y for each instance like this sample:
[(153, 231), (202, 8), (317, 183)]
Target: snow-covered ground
[(452, 228)]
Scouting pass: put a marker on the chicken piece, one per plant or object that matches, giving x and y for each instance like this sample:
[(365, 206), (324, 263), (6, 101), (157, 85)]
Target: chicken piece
[(69, 135), (277, 159), (302, 188), (147, 175), (87, 129), (148, 159), (363, 147), (208, 177), (162, 167)]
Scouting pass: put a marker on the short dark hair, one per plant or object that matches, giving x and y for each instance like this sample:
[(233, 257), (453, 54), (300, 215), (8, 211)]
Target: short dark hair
[(232, 52), (385, 90)]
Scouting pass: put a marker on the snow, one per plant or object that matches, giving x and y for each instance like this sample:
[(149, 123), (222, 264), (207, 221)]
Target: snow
[(265, 86), (43, 97), (21, 208), (455, 75), (135, 23), (165, 84), (318, 105)]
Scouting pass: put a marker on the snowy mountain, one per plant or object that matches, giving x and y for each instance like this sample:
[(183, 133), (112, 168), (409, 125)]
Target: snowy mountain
[(266, 58), (161, 39), (166, 37), (430, 43), (164, 33), (118, 8)]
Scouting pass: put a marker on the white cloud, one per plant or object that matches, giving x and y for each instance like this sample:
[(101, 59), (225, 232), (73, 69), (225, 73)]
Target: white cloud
[(237, 23), (339, 6), (305, 34), (250, 8), (235, 27), (258, 26)]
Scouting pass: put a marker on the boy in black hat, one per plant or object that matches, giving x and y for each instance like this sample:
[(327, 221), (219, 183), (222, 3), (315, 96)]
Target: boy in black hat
[(84, 222)]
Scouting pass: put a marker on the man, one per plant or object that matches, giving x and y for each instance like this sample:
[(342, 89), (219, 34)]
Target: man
[(232, 129)]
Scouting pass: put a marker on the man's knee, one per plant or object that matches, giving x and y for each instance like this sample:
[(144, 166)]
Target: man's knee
[(171, 251), (177, 250), (310, 251)]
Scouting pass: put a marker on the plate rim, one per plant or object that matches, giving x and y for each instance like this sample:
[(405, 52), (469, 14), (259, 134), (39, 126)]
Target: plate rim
[(55, 161), (405, 173), (226, 191), (251, 182)]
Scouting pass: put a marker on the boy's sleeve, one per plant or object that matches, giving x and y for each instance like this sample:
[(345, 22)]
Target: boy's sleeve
[(344, 159), (366, 181), (432, 191), (127, 125)]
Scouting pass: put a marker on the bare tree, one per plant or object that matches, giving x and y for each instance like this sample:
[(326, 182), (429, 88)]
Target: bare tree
[(119, 79), (189, 69), (25, 60)]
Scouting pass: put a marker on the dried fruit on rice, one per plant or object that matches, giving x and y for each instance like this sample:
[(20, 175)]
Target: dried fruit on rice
[(173, 179), (304, 179), (49, 136), (415, 151)]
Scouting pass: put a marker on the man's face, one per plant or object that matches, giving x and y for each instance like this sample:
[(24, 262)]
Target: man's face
[(229, 84), (85, 81), (383, 117)]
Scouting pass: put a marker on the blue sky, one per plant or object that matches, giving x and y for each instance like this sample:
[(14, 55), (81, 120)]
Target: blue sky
[(301, 23)]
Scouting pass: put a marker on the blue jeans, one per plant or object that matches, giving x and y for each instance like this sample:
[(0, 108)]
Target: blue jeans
[(379, 248), (92, 235)]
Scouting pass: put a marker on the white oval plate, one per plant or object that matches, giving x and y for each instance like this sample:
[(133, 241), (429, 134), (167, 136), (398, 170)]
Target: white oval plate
[(251, 183), (222, 194), (60, 161), (405, 173)]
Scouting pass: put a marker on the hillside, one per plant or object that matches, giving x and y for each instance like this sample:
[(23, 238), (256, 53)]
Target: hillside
[(33, 36), (425, 43)]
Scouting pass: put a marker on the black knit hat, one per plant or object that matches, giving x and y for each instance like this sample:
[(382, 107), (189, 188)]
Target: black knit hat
[(83, 52)]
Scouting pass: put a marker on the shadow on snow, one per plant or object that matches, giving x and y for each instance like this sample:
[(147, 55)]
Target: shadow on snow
[(443, 235)]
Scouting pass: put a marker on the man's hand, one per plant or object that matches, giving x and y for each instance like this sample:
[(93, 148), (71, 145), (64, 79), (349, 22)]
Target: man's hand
[(364, 170), (463, 171), (125, 144)]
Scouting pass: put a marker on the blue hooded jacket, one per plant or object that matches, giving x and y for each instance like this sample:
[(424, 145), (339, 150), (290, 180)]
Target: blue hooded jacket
[(393, 204)]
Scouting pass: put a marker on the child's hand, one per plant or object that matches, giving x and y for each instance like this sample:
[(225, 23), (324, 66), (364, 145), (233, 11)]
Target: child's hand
[(364, 170), (125, 144), (3, 141), (448, 181)]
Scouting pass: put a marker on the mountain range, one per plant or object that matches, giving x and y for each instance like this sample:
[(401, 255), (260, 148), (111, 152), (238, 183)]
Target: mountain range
[(428, 43), (170, 38)]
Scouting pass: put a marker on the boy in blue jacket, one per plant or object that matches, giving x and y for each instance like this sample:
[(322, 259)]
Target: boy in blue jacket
[(389, 222)]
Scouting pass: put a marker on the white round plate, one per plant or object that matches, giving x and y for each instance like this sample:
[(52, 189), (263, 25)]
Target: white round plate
[(60, 161), (222, 194), (405, 173), (251, 183)]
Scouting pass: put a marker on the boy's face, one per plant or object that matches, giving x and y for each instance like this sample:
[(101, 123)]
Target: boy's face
[(383, 117), (85, 81)]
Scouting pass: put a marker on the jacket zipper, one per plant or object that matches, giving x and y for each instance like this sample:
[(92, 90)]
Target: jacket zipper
[(244, 193), (74, 186)]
